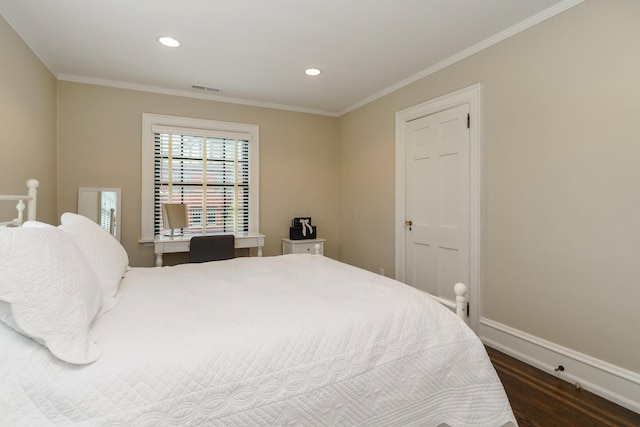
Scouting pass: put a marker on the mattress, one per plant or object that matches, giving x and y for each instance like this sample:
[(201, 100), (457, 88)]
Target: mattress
[(288, 340)]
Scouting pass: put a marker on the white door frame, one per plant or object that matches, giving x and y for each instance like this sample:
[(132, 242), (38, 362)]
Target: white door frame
[(471, 96)]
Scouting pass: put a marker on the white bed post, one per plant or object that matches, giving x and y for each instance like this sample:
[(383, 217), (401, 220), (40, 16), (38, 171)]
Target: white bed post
[(32, 192), (461, 300), (20, 208)]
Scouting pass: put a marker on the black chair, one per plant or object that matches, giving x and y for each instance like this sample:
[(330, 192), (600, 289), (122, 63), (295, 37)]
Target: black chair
[(212, 248)]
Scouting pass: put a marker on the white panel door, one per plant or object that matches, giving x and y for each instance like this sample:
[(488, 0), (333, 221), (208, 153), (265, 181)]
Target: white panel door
[(437, 202)]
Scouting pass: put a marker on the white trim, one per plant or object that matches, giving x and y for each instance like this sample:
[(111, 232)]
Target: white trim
[(150, 120), (470, 95), (202, 132), (187, 94), (612, 382), (495, 39)]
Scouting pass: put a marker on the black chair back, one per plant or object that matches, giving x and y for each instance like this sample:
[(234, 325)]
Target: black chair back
[(212, 248)]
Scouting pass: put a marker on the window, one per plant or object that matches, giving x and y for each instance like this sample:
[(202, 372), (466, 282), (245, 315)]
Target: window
[(210, 166)]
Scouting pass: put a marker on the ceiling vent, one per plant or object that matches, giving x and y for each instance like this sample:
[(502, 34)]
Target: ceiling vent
[(205, 88)]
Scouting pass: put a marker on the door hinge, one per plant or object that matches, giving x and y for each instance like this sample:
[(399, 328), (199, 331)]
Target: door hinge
[(468, 121), (467, 308)]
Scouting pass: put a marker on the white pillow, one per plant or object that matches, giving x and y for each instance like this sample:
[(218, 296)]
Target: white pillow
[(105, 254), (5, 307), (51, 293), (35, 224)]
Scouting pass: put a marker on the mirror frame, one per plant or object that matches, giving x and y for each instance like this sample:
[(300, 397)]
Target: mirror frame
[(118, 213)]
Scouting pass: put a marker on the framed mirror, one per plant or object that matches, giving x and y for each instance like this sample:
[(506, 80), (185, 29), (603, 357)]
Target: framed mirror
[(175, 215), (101, 205)]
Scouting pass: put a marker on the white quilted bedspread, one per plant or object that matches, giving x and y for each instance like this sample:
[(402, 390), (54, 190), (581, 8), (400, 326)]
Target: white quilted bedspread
[(295, 340)]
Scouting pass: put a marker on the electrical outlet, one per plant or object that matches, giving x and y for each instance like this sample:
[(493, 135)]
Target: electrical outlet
[(381, 271)]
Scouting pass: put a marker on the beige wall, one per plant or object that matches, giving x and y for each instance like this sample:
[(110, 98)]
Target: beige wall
[(561, 177), (99, 143), (27, 125)]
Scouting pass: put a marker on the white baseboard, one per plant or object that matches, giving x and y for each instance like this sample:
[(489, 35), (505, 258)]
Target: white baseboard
[(611, 382)]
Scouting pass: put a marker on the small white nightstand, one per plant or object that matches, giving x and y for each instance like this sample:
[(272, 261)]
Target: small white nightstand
[(302, 246)]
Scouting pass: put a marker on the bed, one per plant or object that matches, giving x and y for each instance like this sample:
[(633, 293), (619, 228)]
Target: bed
[(297, 339)]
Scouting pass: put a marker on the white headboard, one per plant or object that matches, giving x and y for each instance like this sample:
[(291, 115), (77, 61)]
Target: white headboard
[(30, 198)]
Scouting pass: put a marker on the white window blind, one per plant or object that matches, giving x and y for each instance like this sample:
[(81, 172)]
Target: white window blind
[(206, 170)]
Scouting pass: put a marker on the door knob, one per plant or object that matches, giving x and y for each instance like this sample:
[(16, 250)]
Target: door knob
[(408, 223)]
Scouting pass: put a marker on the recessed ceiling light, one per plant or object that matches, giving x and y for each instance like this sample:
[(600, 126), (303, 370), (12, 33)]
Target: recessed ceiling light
[(168, 41), (313, 71)]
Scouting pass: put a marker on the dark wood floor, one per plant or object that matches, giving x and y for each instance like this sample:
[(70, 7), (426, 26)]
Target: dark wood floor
[(541, 399)]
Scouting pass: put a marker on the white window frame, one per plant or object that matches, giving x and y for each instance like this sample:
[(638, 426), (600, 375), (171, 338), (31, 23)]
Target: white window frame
[(151, 120)]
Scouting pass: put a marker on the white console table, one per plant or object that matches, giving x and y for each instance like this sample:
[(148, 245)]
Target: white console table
[(168, 244)]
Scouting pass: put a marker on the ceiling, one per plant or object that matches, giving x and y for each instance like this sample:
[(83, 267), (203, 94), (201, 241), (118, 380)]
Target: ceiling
[(255, 51)]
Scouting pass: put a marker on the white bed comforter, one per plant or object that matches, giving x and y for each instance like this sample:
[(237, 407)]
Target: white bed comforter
[(289, 340)]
